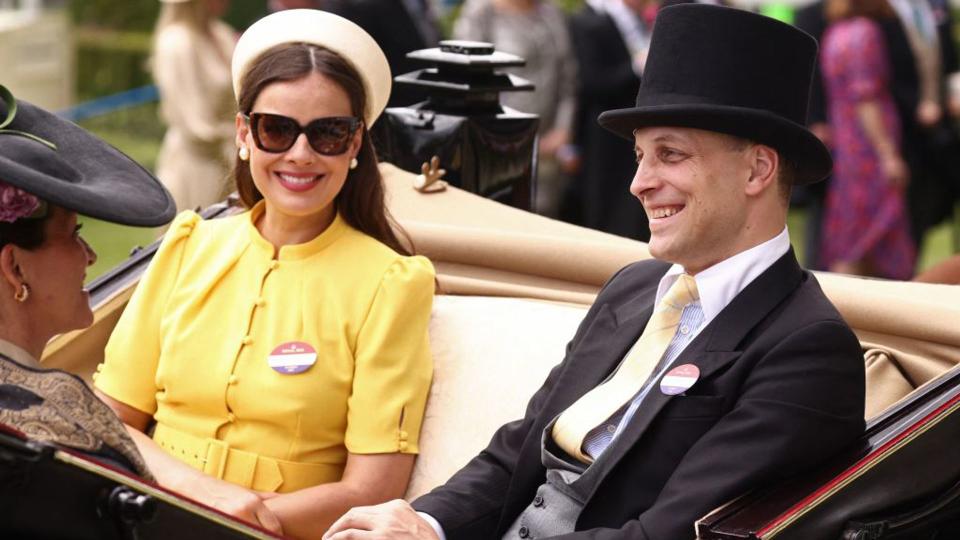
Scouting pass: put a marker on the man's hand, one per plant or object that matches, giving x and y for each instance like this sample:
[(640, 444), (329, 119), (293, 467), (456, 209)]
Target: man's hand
[(394, 520), (929, 113), (553, 140)]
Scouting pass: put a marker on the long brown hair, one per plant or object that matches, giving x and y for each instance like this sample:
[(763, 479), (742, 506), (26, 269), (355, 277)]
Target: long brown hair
[(361, 200)]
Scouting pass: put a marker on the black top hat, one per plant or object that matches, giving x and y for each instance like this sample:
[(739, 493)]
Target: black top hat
[(63, 164), (730, 71)]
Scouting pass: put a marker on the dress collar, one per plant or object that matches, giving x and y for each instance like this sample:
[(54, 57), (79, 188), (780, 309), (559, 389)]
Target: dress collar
[(18, 355), (722, 282), (294, 251)]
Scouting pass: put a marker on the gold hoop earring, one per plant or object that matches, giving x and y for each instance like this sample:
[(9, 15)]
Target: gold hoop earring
[(244, 153), (22, 295), (353, 163)]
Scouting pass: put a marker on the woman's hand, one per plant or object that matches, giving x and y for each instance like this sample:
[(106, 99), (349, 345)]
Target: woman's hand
[(232, 500), (895, 170), (175, 475), (367, 479), (884, 142)]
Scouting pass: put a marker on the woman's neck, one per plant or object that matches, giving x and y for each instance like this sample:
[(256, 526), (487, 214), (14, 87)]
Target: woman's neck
[(284, 230), (19, 333)]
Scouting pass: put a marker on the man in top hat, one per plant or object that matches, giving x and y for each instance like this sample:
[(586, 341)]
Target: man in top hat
[(717, 368)]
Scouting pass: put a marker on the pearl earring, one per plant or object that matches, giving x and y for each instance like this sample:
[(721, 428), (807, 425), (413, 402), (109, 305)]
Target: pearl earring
[(244, 153), (354, 163), (22, 295)]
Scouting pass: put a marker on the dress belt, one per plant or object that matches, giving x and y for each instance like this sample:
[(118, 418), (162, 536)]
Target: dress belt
[(247, 469)]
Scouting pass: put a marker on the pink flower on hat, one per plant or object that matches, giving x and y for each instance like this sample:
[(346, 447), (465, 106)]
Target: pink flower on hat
[(16, 203)]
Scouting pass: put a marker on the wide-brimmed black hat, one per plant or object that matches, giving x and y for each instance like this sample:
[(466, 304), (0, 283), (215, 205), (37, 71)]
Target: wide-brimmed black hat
[(729, 71), (65, 165)]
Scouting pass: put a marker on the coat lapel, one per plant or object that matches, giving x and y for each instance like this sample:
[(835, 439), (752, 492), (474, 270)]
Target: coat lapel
[(607, 341), (717, 345), (604, 344)]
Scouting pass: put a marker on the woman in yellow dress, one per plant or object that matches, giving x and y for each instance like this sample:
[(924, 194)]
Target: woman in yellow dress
[(282, 353)]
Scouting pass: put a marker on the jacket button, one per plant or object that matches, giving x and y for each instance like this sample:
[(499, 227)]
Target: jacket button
[(524, 532), (538, 501)]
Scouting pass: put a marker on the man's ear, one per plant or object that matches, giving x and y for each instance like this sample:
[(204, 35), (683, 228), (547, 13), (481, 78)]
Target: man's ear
[(764, 168), (10, 272)]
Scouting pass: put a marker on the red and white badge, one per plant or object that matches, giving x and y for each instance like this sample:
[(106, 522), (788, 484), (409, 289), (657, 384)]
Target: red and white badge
[(679, 379), (292, 357)]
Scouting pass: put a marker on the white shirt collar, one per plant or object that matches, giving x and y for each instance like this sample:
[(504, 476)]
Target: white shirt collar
[(18, 355), (722, 282)]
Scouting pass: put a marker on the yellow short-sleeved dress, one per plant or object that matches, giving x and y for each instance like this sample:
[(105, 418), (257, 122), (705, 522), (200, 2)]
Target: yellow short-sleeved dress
[(266, 371)]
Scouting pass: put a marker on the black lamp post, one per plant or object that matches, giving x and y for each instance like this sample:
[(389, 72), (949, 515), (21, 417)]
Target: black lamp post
[(486, 148)]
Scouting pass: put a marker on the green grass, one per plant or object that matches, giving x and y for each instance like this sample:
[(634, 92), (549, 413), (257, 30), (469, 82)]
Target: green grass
[(137, 132), (939, 244), (113, 243), (797, 226)]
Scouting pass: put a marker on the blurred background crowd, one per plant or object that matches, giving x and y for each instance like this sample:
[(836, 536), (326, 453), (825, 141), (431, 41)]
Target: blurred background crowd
[(153, 78)]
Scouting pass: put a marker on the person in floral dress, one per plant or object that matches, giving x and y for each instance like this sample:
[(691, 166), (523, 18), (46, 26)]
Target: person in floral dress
[(865, 225)]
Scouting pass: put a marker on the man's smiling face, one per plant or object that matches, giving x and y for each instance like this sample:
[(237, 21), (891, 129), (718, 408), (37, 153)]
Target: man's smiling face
[(691, 185)]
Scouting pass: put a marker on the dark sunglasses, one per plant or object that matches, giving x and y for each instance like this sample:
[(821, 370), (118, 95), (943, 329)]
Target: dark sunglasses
[(329, 136)]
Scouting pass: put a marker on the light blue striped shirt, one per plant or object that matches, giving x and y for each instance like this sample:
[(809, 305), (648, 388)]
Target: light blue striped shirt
[(598, 439)]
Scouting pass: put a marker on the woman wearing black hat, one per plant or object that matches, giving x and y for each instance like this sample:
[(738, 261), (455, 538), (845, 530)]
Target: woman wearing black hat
[(50, 170), (281, 354)]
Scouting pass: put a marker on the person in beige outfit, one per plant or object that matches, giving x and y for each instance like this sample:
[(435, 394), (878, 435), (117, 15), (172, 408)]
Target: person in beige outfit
[(535, 30), (191, 66)]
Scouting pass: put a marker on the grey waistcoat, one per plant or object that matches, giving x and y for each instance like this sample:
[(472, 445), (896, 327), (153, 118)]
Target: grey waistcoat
[(559, 501)]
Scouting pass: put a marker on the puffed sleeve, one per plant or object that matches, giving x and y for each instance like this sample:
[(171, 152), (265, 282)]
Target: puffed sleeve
[(393, 365), (128, 372), (863, 54)]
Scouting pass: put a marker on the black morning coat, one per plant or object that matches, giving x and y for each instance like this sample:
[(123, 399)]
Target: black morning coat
[(781, 389)]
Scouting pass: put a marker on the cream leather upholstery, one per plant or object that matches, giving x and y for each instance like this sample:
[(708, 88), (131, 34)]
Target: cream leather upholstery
[(490, 355)]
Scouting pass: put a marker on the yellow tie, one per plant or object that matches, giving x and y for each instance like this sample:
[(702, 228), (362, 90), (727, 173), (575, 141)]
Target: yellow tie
[(599, 404)]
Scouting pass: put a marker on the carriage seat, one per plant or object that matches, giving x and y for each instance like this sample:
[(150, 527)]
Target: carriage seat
[(492, 353)]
